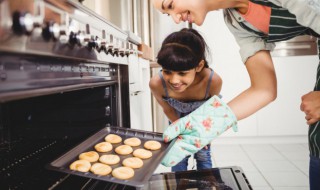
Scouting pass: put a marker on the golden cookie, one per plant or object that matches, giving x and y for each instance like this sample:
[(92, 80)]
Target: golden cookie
[(91, 156), (112, 138), (142, 153), (110, 159), (123, 173), (80, 165), (100, 169), (133, 162), (103, 147), (123, 150), (134, 141), (152, 145)]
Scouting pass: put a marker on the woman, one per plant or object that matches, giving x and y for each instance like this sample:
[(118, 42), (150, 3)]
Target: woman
[(256, 25)]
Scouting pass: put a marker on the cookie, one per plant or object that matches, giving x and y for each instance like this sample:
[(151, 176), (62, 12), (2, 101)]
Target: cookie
[(109, 159), (134, 141), (100, 169), (152, 145), (91, 156), (103, 147), (133, 162), (112, 138), (123, 173), (80, 165), (123, 150), (142, 153)]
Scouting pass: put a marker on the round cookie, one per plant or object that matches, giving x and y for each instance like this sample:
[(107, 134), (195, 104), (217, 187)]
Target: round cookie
[(123, 150), (133, 162), (103, 147), (142, 153), (134, 141), (91, 156), (110, 159), (123, 173), (112, 138), (100, 169), (152, 145), (80, 165)]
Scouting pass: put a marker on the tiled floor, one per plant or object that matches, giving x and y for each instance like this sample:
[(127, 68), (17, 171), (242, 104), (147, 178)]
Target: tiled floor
[(267, 166)]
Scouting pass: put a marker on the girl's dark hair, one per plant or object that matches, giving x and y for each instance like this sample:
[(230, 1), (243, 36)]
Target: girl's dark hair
[(182, 50)]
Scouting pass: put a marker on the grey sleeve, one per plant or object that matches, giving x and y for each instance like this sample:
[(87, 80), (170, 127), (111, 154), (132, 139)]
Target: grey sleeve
[(248, 42)]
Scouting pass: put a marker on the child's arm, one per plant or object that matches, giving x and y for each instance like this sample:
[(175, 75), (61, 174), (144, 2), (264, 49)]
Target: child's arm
[(157, 90), (216, 85)]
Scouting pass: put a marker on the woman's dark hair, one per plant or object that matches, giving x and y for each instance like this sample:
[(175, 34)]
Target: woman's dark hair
[(182, 50)]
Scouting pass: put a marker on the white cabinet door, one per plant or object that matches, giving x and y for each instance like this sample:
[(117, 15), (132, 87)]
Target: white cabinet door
[(140, 101)]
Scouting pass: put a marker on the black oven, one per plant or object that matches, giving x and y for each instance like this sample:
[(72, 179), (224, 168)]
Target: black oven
[(63, 77)]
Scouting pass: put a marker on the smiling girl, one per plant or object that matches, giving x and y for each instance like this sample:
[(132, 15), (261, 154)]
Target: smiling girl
[(185, 82)]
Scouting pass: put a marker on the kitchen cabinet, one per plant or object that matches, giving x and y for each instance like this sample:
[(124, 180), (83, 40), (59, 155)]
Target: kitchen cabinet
[(140, 101)]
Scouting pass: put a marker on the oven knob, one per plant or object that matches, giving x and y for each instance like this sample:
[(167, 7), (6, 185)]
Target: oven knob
[(109, 48), (127, 51), (122, 49), (22, 23), (93, 42), (51, 30), (102, 42), (73, 39)]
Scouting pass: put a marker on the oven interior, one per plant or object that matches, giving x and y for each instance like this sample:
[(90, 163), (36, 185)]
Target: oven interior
[(35, 131)]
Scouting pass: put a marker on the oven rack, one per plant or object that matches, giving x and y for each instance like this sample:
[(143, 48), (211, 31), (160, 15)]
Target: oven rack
[(23, 161)]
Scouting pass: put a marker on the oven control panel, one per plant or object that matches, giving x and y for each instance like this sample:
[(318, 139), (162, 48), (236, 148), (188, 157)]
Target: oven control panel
[(64, 29)]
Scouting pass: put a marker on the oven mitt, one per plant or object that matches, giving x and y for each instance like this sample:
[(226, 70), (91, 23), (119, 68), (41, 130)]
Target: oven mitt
[(198, 129)]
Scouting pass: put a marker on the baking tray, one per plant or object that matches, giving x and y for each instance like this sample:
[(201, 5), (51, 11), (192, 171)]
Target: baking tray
[(141, 176)]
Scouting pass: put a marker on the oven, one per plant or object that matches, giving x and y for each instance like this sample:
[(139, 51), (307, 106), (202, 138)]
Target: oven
[(63, 77)]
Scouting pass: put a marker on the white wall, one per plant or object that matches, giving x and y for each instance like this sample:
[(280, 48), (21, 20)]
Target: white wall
[(296, 76)]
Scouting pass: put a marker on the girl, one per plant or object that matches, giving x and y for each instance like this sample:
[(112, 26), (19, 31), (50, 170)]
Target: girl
[(256, 25), (185, 82)]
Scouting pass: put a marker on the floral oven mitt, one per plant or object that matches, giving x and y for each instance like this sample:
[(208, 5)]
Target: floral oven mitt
[(198, 129)]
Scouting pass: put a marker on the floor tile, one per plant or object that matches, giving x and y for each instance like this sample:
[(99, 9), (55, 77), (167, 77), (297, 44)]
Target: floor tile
[(302, 165), (256, 179), (265, 156), (258, 148), (226, 156), (290, 188), (246, 166), (225, 148), (286, 179), (278, 165), (263, 188), (297, 155), (289, 147)]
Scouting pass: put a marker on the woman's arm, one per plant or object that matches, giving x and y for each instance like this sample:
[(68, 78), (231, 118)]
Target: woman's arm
[(157, 90), (263, 89)]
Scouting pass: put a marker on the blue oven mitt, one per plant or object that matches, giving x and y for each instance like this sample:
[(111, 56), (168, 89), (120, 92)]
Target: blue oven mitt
[(198, 129)]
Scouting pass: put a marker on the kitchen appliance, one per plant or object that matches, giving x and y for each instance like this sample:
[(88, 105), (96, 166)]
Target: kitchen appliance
[(63, 77)]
